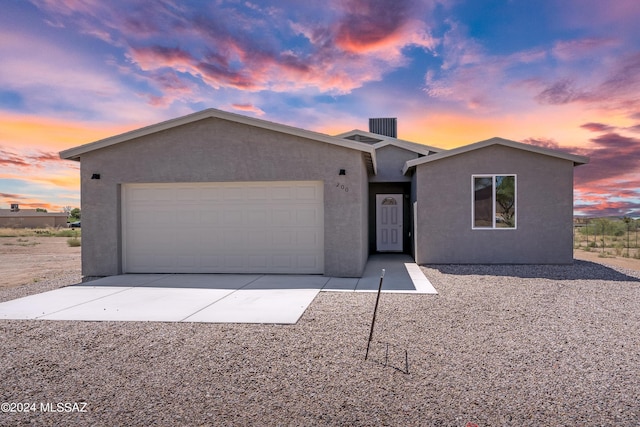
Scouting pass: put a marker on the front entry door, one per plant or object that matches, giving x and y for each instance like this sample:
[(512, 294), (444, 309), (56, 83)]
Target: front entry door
[(389, 222)]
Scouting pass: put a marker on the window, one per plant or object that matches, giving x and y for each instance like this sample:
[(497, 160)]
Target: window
[(389, 201), (494, 201)]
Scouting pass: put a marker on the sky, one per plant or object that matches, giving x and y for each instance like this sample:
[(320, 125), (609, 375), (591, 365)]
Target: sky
[(561, 74)]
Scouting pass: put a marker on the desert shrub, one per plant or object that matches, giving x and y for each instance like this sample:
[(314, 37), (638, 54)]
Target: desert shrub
[(65, 232), (599, 226), (74, 242), (30, 232)]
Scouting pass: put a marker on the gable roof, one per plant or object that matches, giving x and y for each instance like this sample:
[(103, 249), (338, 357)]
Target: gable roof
[(367, 150), (577, 160), (379, 141)]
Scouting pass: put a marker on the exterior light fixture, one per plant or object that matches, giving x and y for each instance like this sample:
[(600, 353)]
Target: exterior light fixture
[(95, 176), (342, 172)]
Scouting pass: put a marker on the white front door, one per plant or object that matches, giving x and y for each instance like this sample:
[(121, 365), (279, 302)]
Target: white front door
[(389, 222)]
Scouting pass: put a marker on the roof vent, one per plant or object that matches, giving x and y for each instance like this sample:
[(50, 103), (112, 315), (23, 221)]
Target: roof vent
[(384, 126)]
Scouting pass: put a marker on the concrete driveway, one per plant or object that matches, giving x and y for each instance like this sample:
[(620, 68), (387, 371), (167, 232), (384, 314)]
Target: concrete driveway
[(210, 298)]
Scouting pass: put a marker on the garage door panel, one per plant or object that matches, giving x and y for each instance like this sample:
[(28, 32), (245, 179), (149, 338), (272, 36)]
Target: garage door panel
[(209, 217), (307, 193), (233, 193), (213, 262), (256, 193), (233, 217), (308, 240), (210, 194), (258, 262), (258, 218), (234, 262), (257, 227), (281, 217), (307, 261), (308, 217), (281, 192), (261, 240)]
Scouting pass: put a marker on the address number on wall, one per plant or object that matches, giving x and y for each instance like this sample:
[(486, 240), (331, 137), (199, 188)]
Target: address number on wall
[(342, 187)]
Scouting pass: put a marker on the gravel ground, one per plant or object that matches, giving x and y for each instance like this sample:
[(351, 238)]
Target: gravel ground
[(499, 345)]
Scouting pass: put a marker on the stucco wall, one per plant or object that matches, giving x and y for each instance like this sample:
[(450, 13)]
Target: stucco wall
[(216, 150), (390, 161), (544, 209), (33, 221)]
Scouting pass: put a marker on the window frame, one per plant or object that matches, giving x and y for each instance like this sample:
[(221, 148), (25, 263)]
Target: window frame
[(493, 200)]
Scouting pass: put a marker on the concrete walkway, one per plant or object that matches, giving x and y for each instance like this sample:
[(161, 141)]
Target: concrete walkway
[(210, 298)]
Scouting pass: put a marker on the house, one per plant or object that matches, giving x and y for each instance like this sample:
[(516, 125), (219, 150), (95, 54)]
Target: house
[(218, 192), (31, 218)]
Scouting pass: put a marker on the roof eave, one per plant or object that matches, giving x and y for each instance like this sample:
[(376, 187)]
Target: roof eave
[(387, 140), (76, 152), (576, 159)]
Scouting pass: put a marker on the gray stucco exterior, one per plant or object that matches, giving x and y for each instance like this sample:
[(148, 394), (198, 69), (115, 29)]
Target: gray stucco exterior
[(544, 209), (390, 160), (213, 146), (216, 150)]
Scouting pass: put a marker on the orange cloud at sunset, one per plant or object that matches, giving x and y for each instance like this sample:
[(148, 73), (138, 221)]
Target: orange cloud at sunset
[(450, 130), (49, 133), (31, 171)]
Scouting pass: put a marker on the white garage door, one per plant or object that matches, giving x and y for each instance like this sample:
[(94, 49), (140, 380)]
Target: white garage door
[(232, 227)]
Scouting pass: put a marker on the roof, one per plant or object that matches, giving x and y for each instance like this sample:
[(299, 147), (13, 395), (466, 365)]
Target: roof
[(379, 141), (577, 160), (367, 150)]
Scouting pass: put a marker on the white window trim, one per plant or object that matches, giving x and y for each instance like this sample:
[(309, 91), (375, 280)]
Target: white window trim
[(493, 200)]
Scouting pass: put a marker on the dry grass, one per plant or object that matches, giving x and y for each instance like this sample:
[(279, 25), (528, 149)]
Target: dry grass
[(74, 242), (46, 232), (627, 246)]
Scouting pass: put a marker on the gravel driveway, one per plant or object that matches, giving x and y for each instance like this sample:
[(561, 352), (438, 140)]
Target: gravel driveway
[(499, 345)]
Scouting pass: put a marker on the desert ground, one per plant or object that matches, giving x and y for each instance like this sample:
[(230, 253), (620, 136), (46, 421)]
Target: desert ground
[(31, 259), (498, 346)]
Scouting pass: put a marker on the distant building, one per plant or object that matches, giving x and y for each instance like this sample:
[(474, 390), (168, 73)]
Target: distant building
[(31, 218)]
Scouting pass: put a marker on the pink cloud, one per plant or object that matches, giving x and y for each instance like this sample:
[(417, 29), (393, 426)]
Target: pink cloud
[(27, 160), (152, 57), (46, 157), (10, 196), (349, 44), (618, 88), (7, 158), (387, 24), (609, 183), (607, 197), (615, 16), (250, 108), (602, 206), (479, 81), (597, 127), (612, 157), (543, 142), (560, 92), (570, 50)]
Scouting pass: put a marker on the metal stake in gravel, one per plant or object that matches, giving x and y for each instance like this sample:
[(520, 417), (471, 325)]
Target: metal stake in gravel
[(373, 321)]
